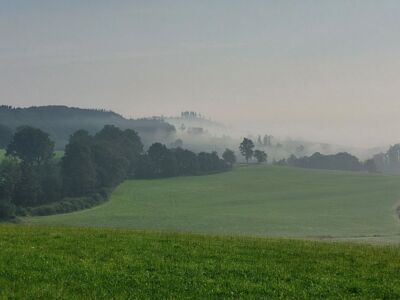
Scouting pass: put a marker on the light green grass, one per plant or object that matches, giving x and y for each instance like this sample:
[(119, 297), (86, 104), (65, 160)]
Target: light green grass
[(256, 200), (57, 154), (68, 263)]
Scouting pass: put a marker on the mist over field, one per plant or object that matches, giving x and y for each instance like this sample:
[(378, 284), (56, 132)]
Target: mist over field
[(325, 71)]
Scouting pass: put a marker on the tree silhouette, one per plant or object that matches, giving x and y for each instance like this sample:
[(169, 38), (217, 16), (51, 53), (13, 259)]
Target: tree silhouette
[(246, 148)]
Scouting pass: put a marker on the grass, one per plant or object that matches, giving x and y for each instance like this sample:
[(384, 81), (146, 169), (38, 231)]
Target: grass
[(57, 154), (75, 263), (257, 201)]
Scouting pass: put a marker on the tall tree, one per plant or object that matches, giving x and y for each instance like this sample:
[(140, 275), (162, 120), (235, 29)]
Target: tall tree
[(6, 135), (31, 145), (77, 166), (122, 147), (187, 162), (164, 160), (28, 188), (229, 156), (246, 148), (260, 155), (10, 173)]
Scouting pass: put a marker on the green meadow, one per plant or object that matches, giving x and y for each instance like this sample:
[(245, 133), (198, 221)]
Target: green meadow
[(77, 263), (253, 201)]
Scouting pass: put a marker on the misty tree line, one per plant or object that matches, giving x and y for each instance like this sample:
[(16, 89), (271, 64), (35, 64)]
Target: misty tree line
[(340, 161), (389, 162), (62, 121), (246, 148), (32, 181)]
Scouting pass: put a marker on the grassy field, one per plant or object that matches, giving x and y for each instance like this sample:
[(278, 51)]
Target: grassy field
[(257, 201), (67, 263)]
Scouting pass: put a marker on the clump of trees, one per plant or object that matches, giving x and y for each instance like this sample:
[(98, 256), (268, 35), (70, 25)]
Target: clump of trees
[(246, 148), (340, 161), (229, 156), (159, 161), (260, 156), (389, 161), (6, 135), (28, 176), (33, 181)]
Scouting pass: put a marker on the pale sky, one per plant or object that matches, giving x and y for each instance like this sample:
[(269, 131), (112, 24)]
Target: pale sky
[(322, 70)]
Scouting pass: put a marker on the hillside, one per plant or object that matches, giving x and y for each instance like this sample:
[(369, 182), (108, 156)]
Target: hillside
[(60, 263), (61, 121), (253, 200)]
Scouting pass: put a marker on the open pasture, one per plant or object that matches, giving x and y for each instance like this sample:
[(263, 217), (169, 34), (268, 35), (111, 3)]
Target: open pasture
[(253, 200)]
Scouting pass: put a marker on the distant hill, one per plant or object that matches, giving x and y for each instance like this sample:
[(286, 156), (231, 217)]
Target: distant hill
[(61, 121), (189, 120)]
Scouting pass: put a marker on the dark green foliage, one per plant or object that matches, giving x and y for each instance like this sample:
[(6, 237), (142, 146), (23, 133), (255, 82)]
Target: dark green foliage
[(210, 162), (165, 163), (229, 156), (28, 189), (145, 167), (159, 161), (10, 173), (9, 177), (5, 136), (111, 168), (370, 166), (77, 166), (340, 161), (187, 162), (115, 154), (69, 204), (388, 162), (31, 145), (84, 263), (50, 182), (246, 148), (260, 156)]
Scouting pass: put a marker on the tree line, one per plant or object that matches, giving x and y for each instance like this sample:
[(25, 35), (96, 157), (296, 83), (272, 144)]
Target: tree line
[(340, 161), (62, 121), (33, 181), (246, 148), (389, 161)]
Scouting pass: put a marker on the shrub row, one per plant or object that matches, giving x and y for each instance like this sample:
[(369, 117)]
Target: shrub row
[(70, 204)]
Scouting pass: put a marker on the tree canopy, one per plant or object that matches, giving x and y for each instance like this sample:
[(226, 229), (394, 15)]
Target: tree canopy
[(260, 156), (246, 148), (31, 145), (229, 156)]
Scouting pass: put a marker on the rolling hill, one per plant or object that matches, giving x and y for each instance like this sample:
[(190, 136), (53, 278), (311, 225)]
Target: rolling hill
[(61, 121), (253, 200)]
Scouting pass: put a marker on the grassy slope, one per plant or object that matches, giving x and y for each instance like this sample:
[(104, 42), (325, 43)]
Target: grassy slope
[(253, 201), (2, 154), (68, 263)]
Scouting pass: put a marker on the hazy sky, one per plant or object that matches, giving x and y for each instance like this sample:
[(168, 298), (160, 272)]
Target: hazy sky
[(324, 70)]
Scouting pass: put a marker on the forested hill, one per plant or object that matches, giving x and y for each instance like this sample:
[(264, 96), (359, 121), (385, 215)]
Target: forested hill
[(61, 121)]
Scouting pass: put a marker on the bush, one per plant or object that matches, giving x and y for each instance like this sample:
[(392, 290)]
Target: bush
[(7, 209), (70, 204)]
